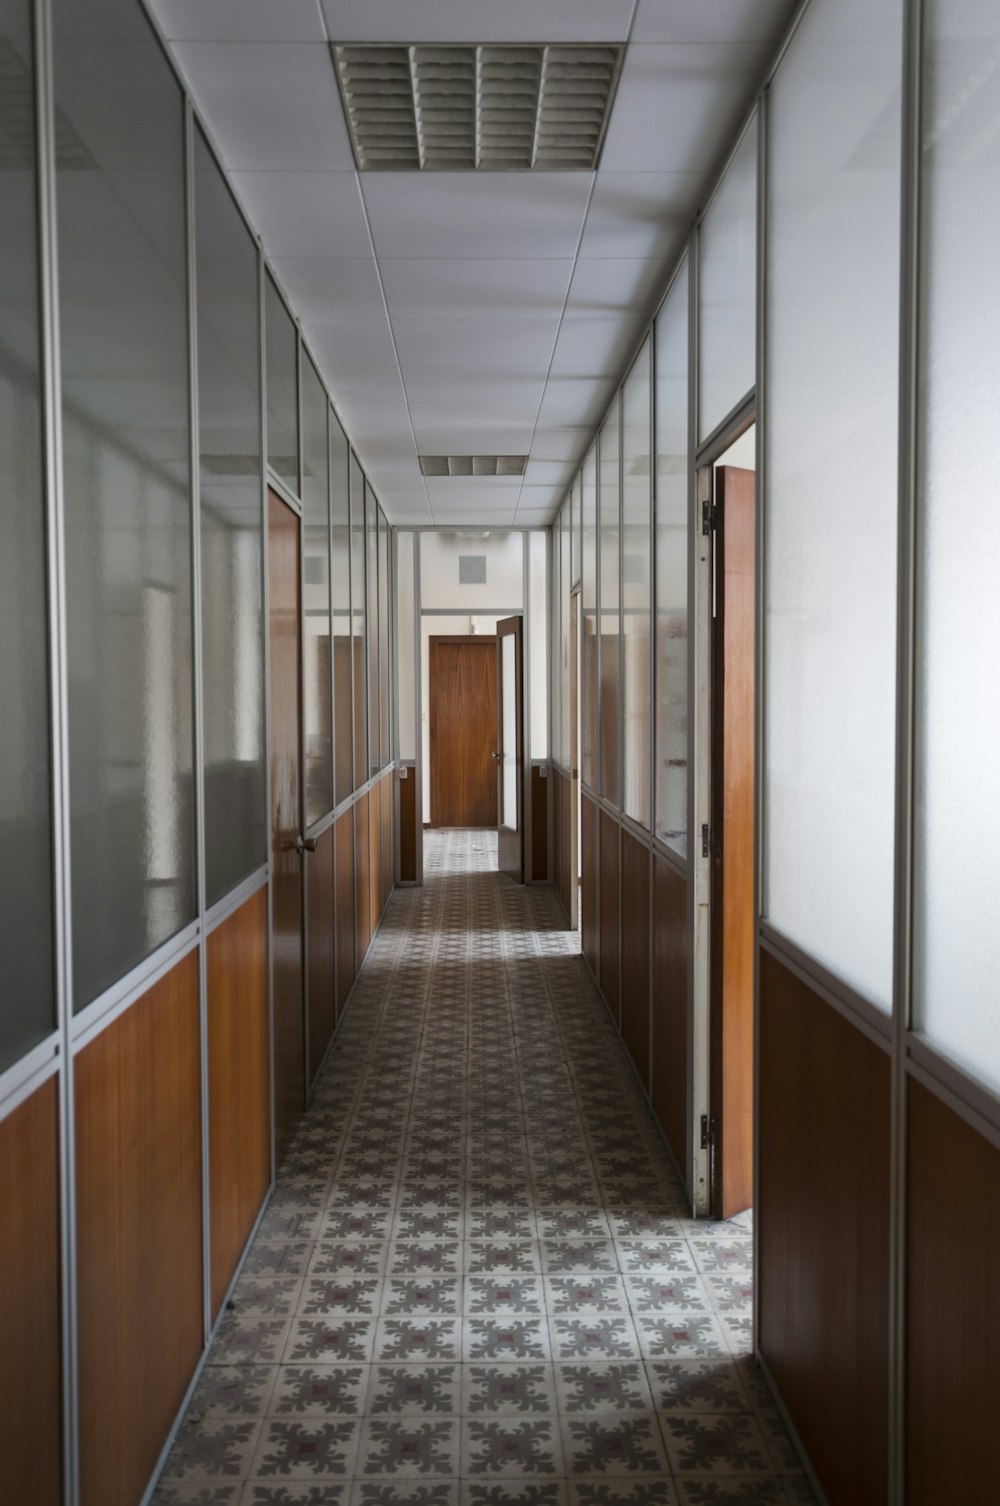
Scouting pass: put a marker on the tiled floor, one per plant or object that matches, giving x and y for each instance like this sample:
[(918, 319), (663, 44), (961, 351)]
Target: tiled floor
[(476, 1284)]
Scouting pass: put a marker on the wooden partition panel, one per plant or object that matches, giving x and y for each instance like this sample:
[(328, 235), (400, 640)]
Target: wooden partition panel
[(668, 1068), (239, 1109), (635, 952), (30, 1365), (408, 825), (344, 919), (139, 1234), (588, 896), (388, 808), (375, 854), (823, 1242), (322, 996), (610, 912), (569, 876), (540, 821), (952, 1307), (362, 882), (557, 837)]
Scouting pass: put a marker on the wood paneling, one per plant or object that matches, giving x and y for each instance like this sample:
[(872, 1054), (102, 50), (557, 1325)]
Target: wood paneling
[(540, 821), (610, 912), (388, 808), (823, 1233), (139, 1234), (952, 1307), (362, 886), (284, 632), (569, 875), (557, 838), (239, 1109), (635, 952), (590, 880), (610, 717), (322, 995), (343, 736), (375, 854), (733, 735), (463, 731), (344, 920), (668, 1069), (408, 826), (30, 1367)]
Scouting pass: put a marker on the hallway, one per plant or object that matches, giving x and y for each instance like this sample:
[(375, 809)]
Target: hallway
[(476, 1281)]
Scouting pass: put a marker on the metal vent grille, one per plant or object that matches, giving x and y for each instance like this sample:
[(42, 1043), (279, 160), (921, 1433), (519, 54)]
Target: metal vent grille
[(467, 108), (473, 465)]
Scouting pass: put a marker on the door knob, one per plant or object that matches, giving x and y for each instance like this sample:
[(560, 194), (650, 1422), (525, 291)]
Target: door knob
[(305, 844), (494, 755)]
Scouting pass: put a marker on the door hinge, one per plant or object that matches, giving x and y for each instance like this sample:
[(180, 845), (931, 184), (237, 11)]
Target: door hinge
[(709, 516), (706, 841), (709, 1124)]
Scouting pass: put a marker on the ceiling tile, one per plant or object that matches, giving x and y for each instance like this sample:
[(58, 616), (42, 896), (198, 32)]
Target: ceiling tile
[(487, 215), (534, 517), (477, 20), (239, 20), (448, 402), (306, 214), (713, 21), (603, 289), (547, 472), (474, 438), (640, 214), (479, 348), (475, 288), (592, 348), (580, 400), (269, 104), (552, 442), (344, 289)]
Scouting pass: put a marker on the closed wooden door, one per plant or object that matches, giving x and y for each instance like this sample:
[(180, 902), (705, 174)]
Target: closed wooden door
[(733, 842), (463, 731), (284, 639), (510, 750)]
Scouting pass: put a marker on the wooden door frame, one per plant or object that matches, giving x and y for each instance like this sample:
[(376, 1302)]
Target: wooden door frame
[(432, 639)]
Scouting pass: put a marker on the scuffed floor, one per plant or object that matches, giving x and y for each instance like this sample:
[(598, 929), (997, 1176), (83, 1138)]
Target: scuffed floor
[(476, 1284)]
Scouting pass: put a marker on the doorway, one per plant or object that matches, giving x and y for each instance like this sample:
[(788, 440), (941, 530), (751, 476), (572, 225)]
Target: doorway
[(509, 753), (729, 843), (462, 705)]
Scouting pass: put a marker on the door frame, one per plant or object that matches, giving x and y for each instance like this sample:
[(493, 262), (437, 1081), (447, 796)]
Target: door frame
[(511, 627), (432, 639)]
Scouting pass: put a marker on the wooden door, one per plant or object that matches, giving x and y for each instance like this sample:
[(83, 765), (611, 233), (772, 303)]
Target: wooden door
[(733, 842), (510, 749), (284, 637), (463, 731)]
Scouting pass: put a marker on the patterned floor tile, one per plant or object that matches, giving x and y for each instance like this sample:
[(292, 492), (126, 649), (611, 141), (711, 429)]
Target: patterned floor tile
[(511, 1448), (589, 1389), (232, 1391), (415, 1389), (305, 1449), (319, 1391), (613, 1444), (508, 1390)]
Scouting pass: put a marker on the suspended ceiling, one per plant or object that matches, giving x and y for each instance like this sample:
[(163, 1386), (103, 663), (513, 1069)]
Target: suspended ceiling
[(459, 313)]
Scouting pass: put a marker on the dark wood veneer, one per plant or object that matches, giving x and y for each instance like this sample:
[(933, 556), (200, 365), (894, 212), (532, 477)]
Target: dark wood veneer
[(635, 952)]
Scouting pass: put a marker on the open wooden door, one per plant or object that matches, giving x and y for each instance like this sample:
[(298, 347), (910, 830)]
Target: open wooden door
[(284, 640), (509, 753), (733, 749)]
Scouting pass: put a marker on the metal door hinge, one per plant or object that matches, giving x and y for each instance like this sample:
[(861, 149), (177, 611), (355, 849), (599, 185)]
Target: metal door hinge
[(709, 516), (706, 841), (708, 1129)]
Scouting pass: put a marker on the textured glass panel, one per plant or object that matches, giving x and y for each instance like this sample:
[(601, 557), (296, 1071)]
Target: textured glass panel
[(576, 496), (672, 565), (374, 703), (26, 962), (406, 647), (957, 870), (556, 636), (358, 619), (317, 682), (637, 601), (610, 615), (383, 636), (441, 555), (282, 388), (538, 645), (588, 624), (509, 693), (340, 584), (564, 573), (727, 290), (830, 505), (231, 566), (126, 433)]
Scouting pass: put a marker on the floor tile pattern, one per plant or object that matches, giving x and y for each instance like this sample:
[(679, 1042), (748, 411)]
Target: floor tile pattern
[(476, 1283)]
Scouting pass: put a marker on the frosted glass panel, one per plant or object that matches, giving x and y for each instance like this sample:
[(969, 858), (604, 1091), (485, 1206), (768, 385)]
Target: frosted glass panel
[(374, 698), (636, 586), (564, 575), (26, 963), (127, 458), (727, 289), (473, 571), (538, 643), (575, 505), (231, 563), (385, 752), (610, 617), (830, 505), (406, 648), (509, 693), (340, 583), (957, 867), (282, 387), (358, 623), (588, 624), (556, 636), (672, 566), (317, 683)]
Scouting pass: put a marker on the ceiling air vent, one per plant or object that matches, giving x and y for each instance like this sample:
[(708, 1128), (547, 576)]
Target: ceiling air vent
[(467, 108), (473, 465)]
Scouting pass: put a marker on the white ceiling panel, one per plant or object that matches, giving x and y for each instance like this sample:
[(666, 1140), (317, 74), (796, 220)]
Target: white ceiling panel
[(554, 442), (269, 105), (574, 398), (298, 213), (345, 289), (475, 288), (239, 20), (547, 472), (639, 214), (534, 517), (477, 20), (440, 400), (592, 348), (490, 215), (677, 106), (713, 21), (474, 438), (478, 347), (624, 287)]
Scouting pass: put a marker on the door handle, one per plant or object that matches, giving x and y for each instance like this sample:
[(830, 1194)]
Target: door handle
[(305, 844), (494, 755)]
